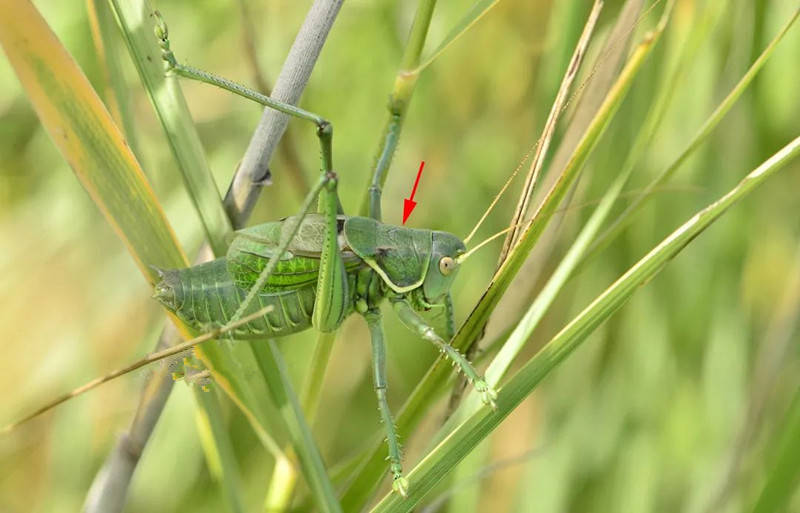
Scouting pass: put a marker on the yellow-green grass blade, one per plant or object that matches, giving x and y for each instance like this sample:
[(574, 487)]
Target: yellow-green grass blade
[(405, 83), (536, 225), (220, 458), (702, 134), (470, 18), (284, 476), (784, 472), (543, 144), (369, 476), (465, 501), (280, 387), (574, 257), (92, 144), (136, 22), (593, 90), (588, 98), (87, 137), (107, 43), (479, 425)]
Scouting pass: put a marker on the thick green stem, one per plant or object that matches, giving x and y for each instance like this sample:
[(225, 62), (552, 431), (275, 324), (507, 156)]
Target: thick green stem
[(404, 84)]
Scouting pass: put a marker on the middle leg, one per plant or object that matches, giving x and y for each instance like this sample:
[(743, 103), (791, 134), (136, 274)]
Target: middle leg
[(375, 323)]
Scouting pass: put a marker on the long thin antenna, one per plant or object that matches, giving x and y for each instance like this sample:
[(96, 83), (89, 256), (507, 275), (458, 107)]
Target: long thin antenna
[(498, 195), (463, 257), (150, 358), (543, 144)]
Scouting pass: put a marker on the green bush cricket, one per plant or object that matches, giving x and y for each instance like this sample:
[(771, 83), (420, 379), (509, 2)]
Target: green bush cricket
[(314, 270)]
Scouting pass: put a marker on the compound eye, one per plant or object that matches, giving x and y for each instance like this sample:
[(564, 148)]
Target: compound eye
[(446, 265)]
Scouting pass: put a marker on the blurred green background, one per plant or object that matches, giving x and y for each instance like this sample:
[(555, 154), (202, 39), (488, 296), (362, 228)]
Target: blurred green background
[(648, 416)]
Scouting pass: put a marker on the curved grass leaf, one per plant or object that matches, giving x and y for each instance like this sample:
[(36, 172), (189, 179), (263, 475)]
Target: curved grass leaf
[(535, 227), (479, 425), (90, 141), (82, 129), (592, 92)]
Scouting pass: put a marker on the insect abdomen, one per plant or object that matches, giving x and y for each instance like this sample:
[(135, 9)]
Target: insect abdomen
[(205, 295)]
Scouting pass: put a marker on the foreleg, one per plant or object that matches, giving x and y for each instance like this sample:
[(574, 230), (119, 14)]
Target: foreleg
[(417, 324)]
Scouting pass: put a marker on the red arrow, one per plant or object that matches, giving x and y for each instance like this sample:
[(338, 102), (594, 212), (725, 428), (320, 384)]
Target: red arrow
[(409, 204)]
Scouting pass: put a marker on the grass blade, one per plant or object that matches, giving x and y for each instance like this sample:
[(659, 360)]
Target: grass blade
[(461, 441), (89, 140), (549, 129), (593, 91), (404, 84), (536, 225), (106, 41), (136, 22), (82, 129), (702, 134), (531, 179), (471, 17), (574, 256), (280, 388), (784, 475), (219, 456)]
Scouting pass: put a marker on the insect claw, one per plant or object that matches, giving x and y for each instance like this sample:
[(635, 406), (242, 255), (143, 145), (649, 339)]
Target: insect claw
[(488, 395), (400, 485), (489, 398)]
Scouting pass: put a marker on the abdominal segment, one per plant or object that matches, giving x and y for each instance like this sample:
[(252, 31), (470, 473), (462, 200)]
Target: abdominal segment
[(205, 296)]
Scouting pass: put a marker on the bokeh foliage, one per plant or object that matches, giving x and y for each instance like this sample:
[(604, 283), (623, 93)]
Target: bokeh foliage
[(646, 417)]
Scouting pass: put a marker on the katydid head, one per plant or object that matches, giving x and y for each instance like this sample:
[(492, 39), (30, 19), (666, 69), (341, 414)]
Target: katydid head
[(448, 252), (443, 265)]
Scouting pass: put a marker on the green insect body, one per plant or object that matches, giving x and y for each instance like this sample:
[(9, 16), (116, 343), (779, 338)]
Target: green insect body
[(206, 295), (327, 267), (380, 261), (314, 270)]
